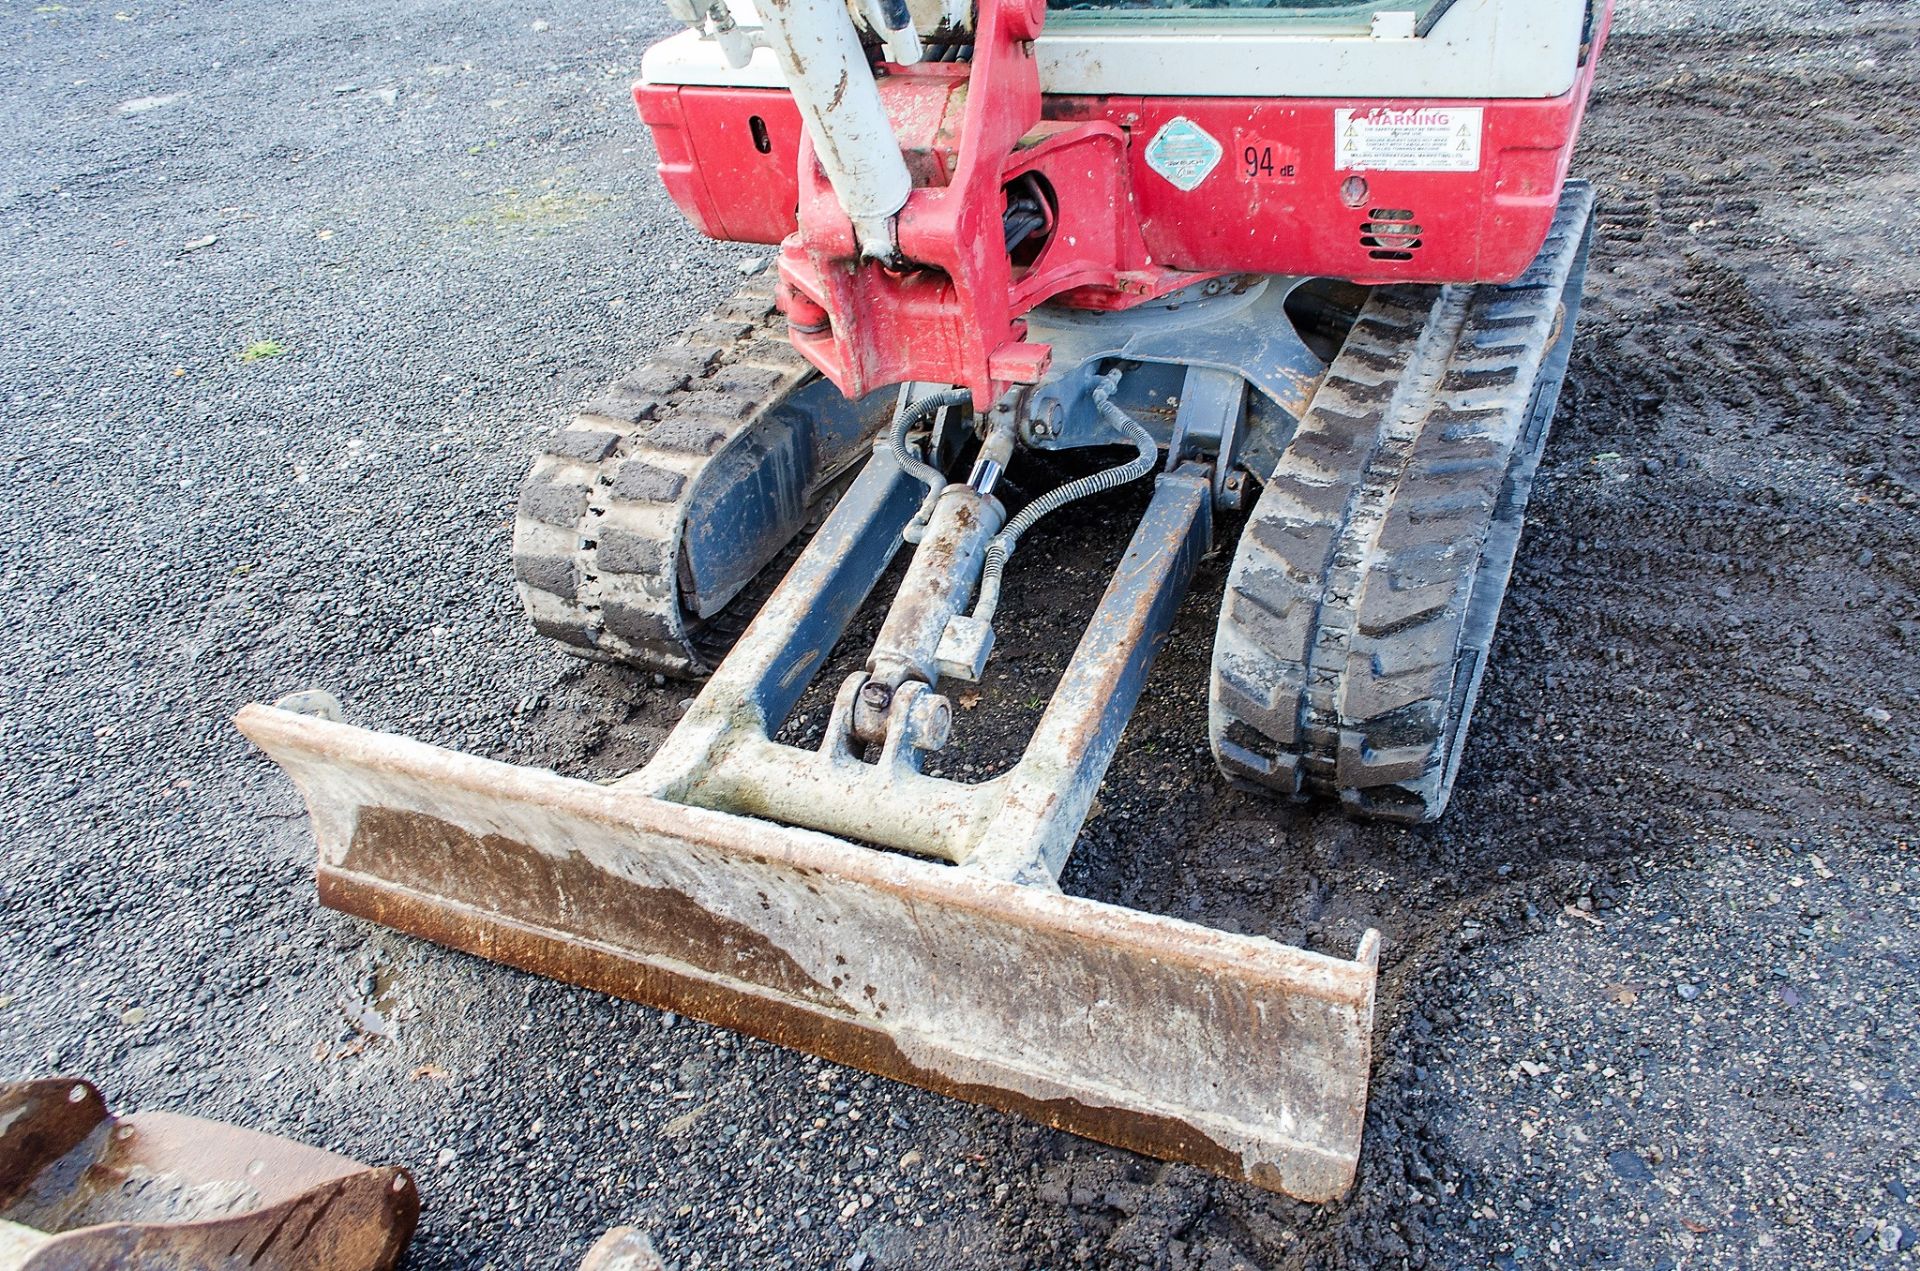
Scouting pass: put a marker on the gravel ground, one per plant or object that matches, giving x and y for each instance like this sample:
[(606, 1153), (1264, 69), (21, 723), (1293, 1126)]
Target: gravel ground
[(1648, 992)]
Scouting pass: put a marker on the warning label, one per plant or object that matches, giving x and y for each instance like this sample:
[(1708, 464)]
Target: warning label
[(1423, 139)]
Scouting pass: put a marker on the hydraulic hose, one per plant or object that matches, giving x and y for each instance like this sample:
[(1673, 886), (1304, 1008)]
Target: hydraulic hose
[(925, 473), (1001, 545)]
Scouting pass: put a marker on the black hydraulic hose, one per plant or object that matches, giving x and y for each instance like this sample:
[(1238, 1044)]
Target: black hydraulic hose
[(1001, 545), (1022, 220), (925, 473)]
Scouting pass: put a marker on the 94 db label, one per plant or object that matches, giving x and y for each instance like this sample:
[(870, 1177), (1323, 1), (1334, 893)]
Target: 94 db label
[(1263, 159)]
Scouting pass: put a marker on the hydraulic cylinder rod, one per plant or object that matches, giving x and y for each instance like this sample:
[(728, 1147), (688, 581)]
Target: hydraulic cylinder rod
[(835, 90)]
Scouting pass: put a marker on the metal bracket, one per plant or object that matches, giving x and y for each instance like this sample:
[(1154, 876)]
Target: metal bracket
[(1212, 404), (1020, 825), (1224, 330), (965, 646)]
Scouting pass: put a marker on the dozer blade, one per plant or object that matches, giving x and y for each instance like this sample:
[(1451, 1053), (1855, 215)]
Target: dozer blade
[(1244, 1056), (83, 1189)]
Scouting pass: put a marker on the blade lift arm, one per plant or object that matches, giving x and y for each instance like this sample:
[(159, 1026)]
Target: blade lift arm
[(1019, 826)]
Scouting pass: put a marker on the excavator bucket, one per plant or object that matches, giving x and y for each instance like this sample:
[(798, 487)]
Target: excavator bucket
[(82, 1189), (1237, 1053)]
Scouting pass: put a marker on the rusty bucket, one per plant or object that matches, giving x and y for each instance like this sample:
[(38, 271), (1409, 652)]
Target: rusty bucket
[(82, 1188)]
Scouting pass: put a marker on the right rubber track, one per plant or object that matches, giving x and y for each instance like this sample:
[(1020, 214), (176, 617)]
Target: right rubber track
[(1362, 599)]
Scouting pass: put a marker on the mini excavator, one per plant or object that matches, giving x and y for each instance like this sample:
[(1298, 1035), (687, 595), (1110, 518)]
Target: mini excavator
[(1305, 267)]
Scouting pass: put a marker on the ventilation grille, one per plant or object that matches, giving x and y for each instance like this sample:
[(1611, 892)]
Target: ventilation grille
[(1390, 234)]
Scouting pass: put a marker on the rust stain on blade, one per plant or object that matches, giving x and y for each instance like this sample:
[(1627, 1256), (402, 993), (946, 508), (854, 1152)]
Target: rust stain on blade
[(440, 858), (843, 1039), (1234, 1052)]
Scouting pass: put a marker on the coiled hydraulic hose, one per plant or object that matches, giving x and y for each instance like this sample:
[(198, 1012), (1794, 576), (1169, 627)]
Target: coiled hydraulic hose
[(925, 473), (1001, 545)]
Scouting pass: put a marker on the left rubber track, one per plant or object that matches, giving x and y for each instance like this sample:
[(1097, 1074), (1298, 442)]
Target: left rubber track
[(643, 526)]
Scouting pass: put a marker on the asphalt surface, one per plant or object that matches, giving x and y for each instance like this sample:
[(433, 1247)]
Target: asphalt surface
[(1648, 994)]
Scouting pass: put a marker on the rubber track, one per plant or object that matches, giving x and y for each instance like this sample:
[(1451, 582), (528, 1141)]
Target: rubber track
[(596, 542), (1361, 603)]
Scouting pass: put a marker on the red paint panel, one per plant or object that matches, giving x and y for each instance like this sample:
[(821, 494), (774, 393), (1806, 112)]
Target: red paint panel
[(1279, 212), (1274, 205), (1148, 195), (712, 163)]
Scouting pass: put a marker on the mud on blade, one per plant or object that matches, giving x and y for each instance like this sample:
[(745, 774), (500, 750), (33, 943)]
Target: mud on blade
[(1238, 1054)]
